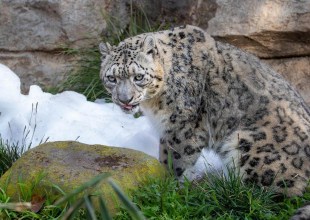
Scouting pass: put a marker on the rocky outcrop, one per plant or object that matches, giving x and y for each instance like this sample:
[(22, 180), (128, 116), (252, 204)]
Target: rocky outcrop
[(70, 164), (45, 69), (35, 35), (266, 28), (37, 25)]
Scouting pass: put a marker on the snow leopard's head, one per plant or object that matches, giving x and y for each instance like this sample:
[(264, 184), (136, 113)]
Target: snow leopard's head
[(131, 71)]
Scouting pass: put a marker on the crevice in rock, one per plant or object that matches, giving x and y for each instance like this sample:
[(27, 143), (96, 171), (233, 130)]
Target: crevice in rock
[(54, 51), (285, 57)]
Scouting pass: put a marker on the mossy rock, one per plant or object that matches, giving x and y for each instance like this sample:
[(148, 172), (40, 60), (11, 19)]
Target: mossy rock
[(70, 164)]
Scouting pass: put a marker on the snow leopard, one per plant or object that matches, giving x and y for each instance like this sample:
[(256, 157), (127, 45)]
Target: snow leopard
[(204, 94)]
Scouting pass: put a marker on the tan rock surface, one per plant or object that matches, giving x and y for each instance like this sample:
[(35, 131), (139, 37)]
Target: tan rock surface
[(266, 28), (295, 70), (39, 68)]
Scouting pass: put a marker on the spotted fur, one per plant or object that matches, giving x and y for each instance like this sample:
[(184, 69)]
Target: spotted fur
[(200, 93)]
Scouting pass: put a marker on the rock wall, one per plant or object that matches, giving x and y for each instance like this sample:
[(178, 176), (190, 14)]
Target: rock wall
[(34, 33)]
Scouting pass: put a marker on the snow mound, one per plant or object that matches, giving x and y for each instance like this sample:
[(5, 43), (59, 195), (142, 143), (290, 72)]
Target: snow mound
[(37, 117)]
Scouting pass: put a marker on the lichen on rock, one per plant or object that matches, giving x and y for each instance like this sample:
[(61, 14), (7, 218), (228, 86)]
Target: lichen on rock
[(69, 164)]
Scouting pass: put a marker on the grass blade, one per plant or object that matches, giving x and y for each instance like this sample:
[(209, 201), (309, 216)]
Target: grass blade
[(90, 208), (131, 208), (103, 210), (56, 187), (83, 187), (73, 210)]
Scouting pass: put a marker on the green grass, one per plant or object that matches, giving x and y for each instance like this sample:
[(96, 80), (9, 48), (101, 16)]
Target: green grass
[(22, 209), (78, 204), (9, 153), (84, 78), (215, 198)]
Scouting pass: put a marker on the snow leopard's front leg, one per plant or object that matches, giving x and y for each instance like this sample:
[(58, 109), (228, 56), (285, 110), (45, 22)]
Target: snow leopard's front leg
[(182, 144)]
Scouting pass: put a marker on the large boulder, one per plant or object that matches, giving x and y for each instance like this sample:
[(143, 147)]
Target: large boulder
[(46, 25), (266, 28), (70, 164), (38, 33), (45, 69)]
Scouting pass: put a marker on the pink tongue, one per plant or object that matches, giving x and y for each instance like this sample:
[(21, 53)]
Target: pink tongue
[(129, 107)]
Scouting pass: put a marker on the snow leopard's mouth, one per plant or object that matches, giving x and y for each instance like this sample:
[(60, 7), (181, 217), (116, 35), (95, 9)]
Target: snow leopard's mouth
[(130, 108)]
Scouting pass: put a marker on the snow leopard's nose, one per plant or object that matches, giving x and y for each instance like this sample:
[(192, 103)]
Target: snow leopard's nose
[(125, 99), (125, 91)]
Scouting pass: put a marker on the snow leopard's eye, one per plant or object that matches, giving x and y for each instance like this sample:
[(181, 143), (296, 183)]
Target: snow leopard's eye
[(111, 79), (139, 77)]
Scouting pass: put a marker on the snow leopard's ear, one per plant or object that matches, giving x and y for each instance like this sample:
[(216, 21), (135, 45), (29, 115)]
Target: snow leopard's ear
[(105, 49), (148, 45)]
